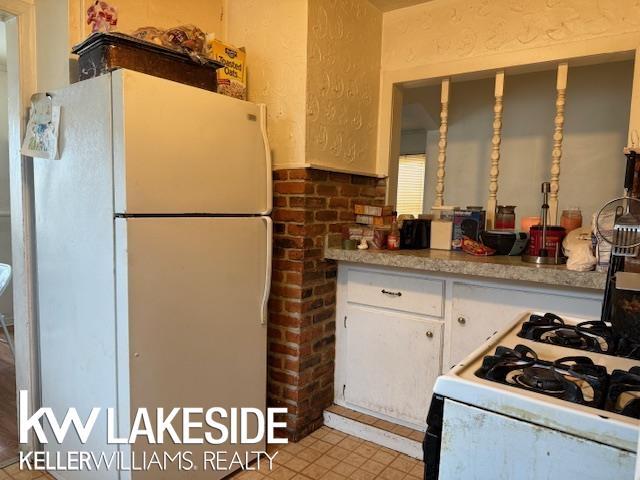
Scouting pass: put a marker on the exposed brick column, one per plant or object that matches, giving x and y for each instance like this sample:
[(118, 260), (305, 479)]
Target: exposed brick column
[(308, 204)]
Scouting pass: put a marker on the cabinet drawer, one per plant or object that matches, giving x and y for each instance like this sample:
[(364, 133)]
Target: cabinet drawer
[(399, 292)]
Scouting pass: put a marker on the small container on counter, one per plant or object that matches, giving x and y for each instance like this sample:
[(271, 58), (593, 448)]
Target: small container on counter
[(571, 219), (505, 217), (442, 227), (349, 244), (553, 244)]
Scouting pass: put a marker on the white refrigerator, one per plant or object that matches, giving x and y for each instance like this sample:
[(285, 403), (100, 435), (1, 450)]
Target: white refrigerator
[(153, 258)]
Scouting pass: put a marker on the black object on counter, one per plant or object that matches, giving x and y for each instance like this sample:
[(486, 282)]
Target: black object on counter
[(505, 242), (102, 53), (415, 234)]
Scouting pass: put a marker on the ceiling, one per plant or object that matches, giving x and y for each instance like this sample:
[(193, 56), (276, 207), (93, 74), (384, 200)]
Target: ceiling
[(386, 5)]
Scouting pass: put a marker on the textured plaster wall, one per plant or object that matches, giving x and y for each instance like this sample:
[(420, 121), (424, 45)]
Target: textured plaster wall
[(206, 14), (315, 63), (446, 30), (52, 33), (275, 36), (343, 75)]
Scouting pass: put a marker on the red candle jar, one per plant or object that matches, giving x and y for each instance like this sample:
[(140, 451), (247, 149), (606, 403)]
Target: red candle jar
[(506, 217)]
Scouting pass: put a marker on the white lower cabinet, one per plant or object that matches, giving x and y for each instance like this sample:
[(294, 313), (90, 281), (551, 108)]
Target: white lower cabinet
[(392, 361), (397, 330), (478, 311)]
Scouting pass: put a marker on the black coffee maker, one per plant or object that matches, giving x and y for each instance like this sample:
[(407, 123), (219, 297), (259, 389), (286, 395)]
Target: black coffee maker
[(415, 234)]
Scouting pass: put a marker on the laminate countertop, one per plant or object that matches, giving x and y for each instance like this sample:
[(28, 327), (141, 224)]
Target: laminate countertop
[(460, 263)]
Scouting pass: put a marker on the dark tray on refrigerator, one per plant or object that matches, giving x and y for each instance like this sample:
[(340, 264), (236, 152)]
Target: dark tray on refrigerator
[(102, 53)]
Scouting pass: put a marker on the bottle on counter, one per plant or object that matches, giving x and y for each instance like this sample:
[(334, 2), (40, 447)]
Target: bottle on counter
[(571, 219), (393, 240)]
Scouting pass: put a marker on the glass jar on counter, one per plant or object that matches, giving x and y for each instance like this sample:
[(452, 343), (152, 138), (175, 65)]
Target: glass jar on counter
[(505, 217), (571, 219)]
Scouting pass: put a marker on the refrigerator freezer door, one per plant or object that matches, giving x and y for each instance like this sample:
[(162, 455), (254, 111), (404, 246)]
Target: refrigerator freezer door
[(180, 149), (74, 240), (190, 300)]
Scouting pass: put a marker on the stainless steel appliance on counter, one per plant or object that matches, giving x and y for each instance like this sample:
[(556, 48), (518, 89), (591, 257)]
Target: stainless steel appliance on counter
[(547, 397)]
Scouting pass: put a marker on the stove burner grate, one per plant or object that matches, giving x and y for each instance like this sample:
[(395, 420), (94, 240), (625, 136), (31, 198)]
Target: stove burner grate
[(592, 336), (624, 392), (575, 379), (544, 380)]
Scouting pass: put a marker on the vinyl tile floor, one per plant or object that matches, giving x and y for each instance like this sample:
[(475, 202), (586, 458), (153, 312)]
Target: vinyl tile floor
[(332, 455), (13, 472), (325, 454)]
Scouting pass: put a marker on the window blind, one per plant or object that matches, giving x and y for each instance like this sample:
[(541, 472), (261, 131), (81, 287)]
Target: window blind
[(411, 170)]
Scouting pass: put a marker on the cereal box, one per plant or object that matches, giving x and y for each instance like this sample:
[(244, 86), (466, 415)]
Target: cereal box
[(232, 77)]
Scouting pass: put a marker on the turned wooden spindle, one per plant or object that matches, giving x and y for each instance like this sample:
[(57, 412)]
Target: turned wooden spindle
[(494, 170), (442, 143), (556, 155)]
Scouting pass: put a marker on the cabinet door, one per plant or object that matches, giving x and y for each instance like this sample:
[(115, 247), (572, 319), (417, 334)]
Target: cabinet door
[(479, 311), (392, 362)]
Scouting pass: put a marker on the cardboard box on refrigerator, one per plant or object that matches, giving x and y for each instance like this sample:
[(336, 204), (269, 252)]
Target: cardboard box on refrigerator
[(232, 78)]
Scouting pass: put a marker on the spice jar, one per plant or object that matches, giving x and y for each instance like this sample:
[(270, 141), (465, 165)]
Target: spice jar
[(571, 219), (505, 217)]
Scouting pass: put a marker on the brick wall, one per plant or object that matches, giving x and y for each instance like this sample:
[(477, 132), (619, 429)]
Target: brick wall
[(308, 204)]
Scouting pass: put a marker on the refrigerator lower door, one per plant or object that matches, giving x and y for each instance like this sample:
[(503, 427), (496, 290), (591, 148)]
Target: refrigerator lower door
[(180, 149), (191, 296)]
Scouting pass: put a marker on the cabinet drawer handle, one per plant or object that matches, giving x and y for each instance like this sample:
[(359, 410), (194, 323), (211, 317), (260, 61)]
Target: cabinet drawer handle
[(429, 334), (462, 320), (393, 294)]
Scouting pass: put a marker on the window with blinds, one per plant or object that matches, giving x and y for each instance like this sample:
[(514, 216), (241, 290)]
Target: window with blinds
[(411, 171)]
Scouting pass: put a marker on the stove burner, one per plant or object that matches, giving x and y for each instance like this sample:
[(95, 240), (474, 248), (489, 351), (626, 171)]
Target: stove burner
[(545, 380), (624, 392), (592, 336), (567, 338), (575, 379)]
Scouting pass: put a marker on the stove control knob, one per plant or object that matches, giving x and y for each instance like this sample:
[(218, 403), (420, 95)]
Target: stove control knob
[(462, 320), (429, 334)]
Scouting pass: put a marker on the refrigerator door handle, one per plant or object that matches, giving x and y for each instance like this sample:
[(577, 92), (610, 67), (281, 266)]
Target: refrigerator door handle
[(267, 156), (267, 271)]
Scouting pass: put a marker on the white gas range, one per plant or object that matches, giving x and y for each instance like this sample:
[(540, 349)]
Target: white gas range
[(546, 398)]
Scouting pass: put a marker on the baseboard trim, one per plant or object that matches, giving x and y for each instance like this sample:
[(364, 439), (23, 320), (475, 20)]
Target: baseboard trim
[(373, 434)]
